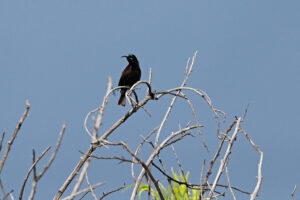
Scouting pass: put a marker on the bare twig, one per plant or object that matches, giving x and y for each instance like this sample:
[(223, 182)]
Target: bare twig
[(180, 167), (122, 159), (90, 187), (2, 188), (259, 175), (138, 150), (153, 155), (178, 162), (201, 187), (179, 138), (146, 168), (94, 137), (82, 175), (212, 162), (225, 158), (11, 141), (99, 117), (229, 185), (36, 177), (82, 191), (34, 168), (97, 144), (9, 194), (29, 171), (201, 181), (85, 121), (196, 120), (188, 72), (108, 193), (293, 192), (245, 113), (200, 93), (1, 142)]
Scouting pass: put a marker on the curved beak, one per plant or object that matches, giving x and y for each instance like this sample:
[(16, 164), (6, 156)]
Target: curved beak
[(123, 56)]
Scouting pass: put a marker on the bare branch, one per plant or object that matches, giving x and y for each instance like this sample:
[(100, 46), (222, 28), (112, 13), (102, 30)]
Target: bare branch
[(229, 185), (9, 194), (188, 72), (2, 188), (94, 137), (153, 155), (196, 120), (104, 103), (108, 193), (146, 168), (1, 142), (11, 141), (293, 192), (90, 187), (212, 162), (97, 144), (36, 177), (138, 150), (259, 175), (122, 159), (82, 191), (200, 93), (29, 171), (224, 160)]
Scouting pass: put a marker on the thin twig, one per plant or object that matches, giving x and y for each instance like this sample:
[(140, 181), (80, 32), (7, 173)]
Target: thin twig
[(155, 182), (115, 190), (97, 144), (11, 141), (224, 160), (212, 162), (2, 188), (196, 186), (82, 191), (90, 187), (188, 72), (259, 174), (9, 194), (154, 154), (1, 142), (200, 93), (229, 185), (29, 171), (201, 181), (293, 192), (196, 120), (245, 112), (122, 159), (94, 137), (138, 150), (36, 177)]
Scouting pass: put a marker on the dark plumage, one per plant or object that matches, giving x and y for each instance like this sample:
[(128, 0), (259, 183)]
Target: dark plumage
[(130, 75)]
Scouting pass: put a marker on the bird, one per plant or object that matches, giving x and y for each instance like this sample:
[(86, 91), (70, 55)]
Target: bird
[(130, 75)]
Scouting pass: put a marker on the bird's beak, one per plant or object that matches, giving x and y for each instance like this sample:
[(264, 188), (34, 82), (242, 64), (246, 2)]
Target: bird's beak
[(123, 56)]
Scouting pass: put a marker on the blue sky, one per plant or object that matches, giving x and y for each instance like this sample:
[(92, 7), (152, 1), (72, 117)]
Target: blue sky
[(58, 55)]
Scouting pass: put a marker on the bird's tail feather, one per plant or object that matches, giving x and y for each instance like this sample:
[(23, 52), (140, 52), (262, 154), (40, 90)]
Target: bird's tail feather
[(122, 100)]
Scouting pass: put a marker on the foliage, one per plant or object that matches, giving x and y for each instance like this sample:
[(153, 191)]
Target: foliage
[(175, 190)]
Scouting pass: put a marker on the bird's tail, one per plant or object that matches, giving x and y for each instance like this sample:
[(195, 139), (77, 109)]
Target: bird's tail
[(122, 100)]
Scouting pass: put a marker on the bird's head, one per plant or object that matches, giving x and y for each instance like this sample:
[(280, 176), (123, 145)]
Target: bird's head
[(131, 58)]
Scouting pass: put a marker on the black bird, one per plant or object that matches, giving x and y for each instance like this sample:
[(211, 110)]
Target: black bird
[(130, 75)]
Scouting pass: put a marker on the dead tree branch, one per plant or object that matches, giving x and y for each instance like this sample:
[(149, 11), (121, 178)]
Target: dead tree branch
[(11, 141), (36, 177), (29, 171)]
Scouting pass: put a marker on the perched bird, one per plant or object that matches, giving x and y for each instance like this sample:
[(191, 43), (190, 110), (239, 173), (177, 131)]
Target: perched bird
[(130, 75)]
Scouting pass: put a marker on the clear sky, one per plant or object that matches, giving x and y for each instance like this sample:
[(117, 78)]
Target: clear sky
[(59, 53)]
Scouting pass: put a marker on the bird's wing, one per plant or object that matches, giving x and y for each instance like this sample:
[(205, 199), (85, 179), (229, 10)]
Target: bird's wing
[(125, 76)]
